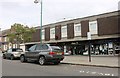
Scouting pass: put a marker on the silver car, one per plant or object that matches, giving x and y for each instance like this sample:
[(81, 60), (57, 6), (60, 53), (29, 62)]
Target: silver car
[(12, 53), (43, 53)]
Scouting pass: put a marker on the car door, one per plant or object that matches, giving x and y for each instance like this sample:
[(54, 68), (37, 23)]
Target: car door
[(45, 49), (37, 51), (30, 52), (8, 54), (41, 49)]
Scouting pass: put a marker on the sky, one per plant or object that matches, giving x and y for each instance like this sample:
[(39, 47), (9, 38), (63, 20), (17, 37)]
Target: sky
[(26, 12)]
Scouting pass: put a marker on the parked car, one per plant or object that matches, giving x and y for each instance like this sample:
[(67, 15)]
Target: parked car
[(43, 53), (4, 51), (12, 53)]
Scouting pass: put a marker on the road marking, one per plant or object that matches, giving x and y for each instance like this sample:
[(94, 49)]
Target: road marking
[(107, 74), (101, 73), (81, 71), (87, 72), (93, 72), (112, 74)]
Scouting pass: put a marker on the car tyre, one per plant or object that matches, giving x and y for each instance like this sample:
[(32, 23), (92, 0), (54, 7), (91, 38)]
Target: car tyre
[(56, 63), (4, 57), (22, 59), (41, 60), (11, 57)]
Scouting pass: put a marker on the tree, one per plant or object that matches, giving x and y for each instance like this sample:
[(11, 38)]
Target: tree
[(20, 34)]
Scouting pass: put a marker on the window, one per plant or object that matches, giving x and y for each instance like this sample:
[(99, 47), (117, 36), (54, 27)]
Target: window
[(44, 47), (56, 48), (32, 48), (9, 51), (5, 39), (43, 34), (64, 31), (41, 47), (17, 49), (52, 33), (0, 39), (77, 29), (93, 28)]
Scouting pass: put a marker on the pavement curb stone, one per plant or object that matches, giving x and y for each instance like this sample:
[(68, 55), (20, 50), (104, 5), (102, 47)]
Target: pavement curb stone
[(91, 65)]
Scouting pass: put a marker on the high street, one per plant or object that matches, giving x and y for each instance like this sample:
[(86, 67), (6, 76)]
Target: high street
[(16, 68)]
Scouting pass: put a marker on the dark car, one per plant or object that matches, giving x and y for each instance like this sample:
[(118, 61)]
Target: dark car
[(12, 53), (43, 53)]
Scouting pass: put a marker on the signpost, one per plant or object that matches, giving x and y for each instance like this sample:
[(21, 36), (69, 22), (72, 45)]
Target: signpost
[(89, 47)]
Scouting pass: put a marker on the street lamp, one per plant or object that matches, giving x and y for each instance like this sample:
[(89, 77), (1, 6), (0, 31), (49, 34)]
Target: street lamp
[(37, 1)]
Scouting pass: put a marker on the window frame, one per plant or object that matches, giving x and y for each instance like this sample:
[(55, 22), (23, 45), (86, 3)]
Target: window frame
[(52, 33), (34, 48), (94, 28), (64, 31), (77, 33)]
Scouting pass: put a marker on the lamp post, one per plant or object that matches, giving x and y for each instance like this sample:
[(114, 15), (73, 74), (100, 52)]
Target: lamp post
[(37, 1)]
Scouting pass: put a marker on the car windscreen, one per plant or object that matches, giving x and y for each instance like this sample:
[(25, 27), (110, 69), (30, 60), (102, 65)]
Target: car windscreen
[(18, 50)]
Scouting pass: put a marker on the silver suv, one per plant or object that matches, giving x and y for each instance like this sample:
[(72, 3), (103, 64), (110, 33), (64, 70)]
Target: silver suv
[(43, 53), (12, 53)]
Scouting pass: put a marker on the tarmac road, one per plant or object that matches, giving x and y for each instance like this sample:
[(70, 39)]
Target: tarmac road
[(16, 68)]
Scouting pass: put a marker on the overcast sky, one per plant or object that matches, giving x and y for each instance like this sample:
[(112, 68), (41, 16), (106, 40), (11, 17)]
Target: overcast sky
[(28, 13)]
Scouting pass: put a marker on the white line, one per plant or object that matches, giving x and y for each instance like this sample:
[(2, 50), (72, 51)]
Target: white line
[(81, 71), (93, 72), (107, 74), (101, 73), (112, 74), (87, 72)]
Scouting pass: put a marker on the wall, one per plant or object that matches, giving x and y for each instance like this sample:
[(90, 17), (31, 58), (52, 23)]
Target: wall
[(58, 32), (84, 28), (47, 34), (108, 25), (70, 30)]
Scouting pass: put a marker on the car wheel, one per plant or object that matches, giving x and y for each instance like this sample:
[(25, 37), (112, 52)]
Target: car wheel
[(56, 63), (11, 57), (4, 57), (22, 58), (42, 60)]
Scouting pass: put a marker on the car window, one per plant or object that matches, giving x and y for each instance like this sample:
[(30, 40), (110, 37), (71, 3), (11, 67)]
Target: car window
[(32, 48), (56, 48), (44, 47), (17, 49), (9, 51), (41, 47)]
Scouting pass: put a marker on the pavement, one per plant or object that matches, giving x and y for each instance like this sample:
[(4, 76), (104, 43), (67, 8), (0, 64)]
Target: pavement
[(110, 61)]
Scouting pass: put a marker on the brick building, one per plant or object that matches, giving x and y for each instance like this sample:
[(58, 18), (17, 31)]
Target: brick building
[(72, 34)]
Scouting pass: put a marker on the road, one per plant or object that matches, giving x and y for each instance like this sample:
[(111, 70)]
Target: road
[(16, 68)]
